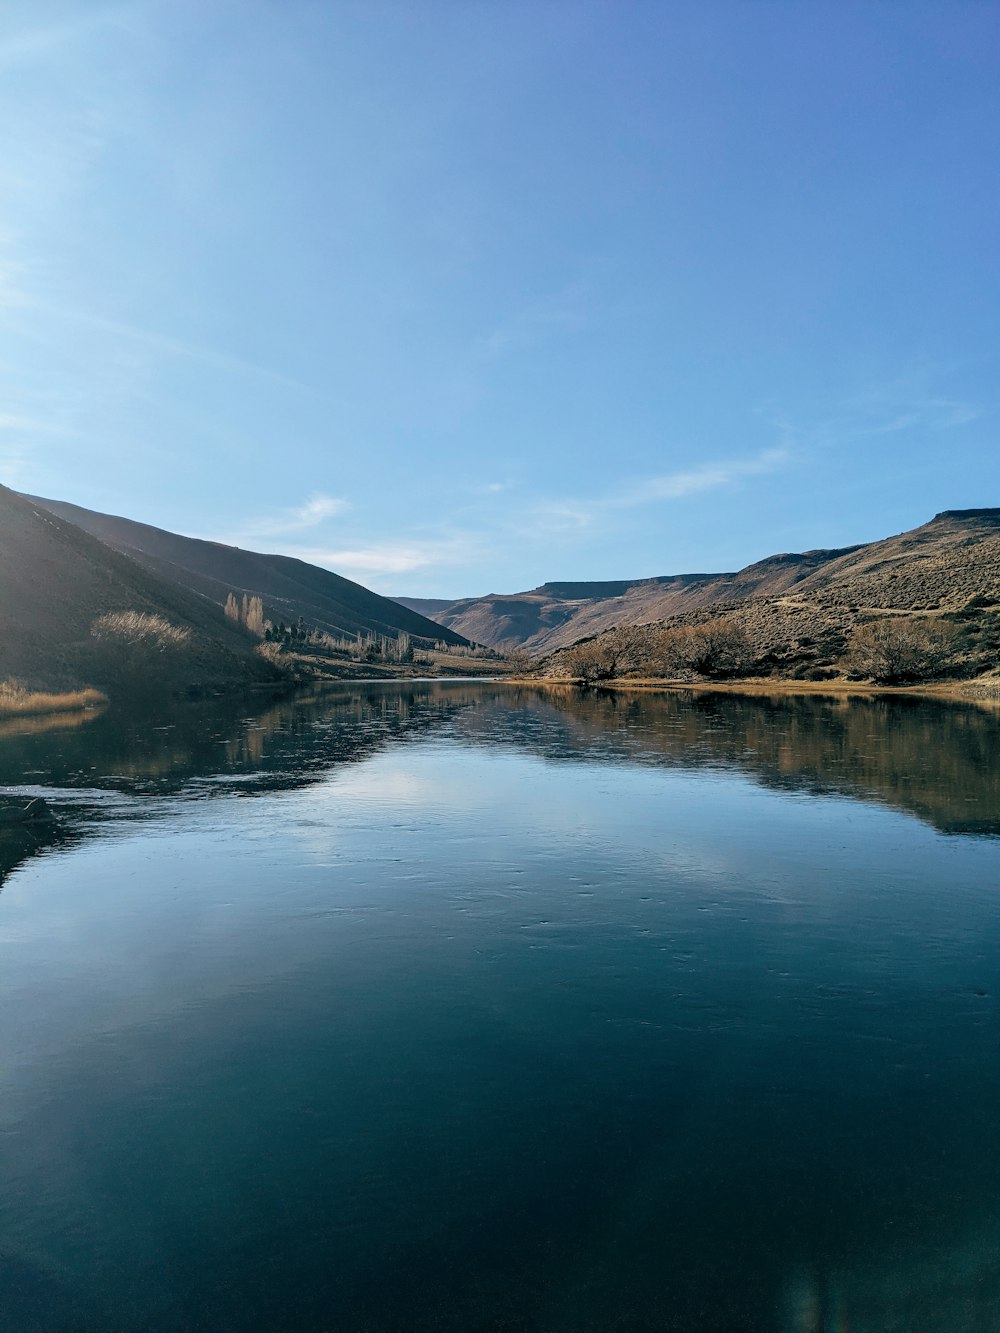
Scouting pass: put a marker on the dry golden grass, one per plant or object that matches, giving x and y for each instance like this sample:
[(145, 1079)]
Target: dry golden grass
[(16, 700), (138, 627)]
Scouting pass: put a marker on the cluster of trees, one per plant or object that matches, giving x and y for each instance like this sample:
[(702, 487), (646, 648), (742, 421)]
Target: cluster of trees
[(382, 648), (898, 649), (715, 648), (248, 612), (889, 650), (477, 650), (299, 632)]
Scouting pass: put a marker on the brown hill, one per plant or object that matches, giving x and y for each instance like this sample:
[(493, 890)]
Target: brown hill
[(289, 588), (938, 566), (56, 581), (941, 580), (557, 614)]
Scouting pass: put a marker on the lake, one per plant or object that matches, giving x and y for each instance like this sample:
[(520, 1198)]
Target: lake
[(469, 1006)]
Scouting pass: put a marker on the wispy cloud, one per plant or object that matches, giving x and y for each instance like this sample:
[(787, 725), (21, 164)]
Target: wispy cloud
[(885, 411), (37, 43), (577, 513), (317, 508), (17, 433), (371, 563), (707, 477), (315, 511), (154, 341), (927, 414), (13, 463), (562, 312)]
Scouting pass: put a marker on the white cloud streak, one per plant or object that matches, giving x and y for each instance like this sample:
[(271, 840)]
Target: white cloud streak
[(314, 512), (882, 412), (569, 514), (373, 563), (708, 477), (381, 564), (164, 344), (14, 423), (33, 44)]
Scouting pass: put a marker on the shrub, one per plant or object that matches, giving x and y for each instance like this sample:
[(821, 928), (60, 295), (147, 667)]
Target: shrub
[(519, 660), (714, 648), (139, 629), (611, 654), (590, 661), (272, 654), (898, 649)]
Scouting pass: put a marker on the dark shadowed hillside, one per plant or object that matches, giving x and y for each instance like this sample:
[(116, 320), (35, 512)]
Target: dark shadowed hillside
[(290, 588), (57, 580)]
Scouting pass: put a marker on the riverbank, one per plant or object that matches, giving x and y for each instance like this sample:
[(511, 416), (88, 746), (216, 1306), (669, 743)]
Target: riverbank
[(978, 691), (17, 700)]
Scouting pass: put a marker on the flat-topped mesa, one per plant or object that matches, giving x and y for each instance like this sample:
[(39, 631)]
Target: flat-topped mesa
[(562, 590), (991, 515)]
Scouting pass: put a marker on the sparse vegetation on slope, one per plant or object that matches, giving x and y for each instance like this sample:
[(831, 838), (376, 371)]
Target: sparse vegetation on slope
[(942, 567), (59, 584), (285, 588), (137, 629), (918, 607), (776, 642)]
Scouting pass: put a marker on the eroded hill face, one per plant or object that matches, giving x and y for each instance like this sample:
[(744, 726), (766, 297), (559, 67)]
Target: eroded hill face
[(922, 605), (289, 588), (558, 614), (939, 566)]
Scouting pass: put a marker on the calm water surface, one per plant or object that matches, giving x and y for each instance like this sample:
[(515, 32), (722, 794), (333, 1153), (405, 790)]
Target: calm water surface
[(469, 1007)]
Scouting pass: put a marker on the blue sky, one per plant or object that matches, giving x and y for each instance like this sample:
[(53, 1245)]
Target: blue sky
[(459, 297)]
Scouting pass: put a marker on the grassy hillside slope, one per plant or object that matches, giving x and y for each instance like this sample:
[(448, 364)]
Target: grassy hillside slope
[(938, 566), (942, 578), (289, 588), (57, 580), (557, 614)]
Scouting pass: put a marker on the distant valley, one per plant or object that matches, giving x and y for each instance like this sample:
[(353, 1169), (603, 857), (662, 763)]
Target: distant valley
[(93, 600), (938, 565), (918, 606)]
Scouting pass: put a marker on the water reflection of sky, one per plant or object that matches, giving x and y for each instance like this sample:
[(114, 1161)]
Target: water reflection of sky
[(745, 1033)]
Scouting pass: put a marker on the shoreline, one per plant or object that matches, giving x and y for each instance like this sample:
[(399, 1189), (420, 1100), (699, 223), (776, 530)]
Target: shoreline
[(15, 703), (969, 691)]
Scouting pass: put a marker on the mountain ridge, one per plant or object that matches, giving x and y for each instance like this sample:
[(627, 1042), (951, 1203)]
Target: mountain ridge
[(56, 581), (289, 587), (545, 618)]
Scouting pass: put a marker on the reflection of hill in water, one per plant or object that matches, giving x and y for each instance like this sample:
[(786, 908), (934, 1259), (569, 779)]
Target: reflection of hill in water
[(938, 761), (200, 750)]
